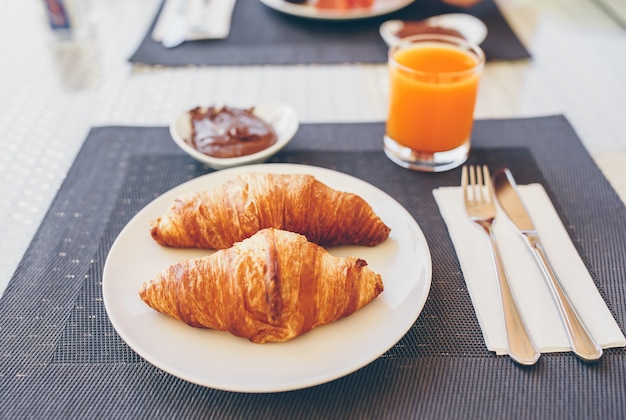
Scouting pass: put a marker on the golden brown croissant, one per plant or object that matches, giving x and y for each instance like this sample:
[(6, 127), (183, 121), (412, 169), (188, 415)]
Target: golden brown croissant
[(273, 286), (237, 209)]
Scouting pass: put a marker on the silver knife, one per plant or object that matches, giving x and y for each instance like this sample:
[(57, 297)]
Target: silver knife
[(583, 344)]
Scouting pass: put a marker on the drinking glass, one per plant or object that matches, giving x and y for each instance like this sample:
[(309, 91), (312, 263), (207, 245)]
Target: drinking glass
[(433, 87)]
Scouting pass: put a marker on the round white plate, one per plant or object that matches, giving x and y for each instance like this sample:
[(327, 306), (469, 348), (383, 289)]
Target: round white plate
[(220, 360), (281, 117), (307, 10)]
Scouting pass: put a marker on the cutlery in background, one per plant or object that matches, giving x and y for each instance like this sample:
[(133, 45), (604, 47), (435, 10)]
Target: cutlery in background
[(583, 344), (176, 28), (481, 209), (192, 20)]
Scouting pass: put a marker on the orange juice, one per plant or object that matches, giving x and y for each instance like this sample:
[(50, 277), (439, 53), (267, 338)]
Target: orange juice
[(433, 88)]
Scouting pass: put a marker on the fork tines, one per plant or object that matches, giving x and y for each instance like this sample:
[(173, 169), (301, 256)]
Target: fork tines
[(479, 191)]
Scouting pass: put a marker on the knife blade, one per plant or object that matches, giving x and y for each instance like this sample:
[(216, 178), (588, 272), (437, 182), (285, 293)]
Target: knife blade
[(505, 187)]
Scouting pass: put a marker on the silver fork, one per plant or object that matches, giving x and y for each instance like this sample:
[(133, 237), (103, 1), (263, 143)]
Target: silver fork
[(480, 207)]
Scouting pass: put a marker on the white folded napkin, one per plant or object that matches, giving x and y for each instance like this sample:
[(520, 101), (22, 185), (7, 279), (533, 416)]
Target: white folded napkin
[(529, 287), (206, 19)]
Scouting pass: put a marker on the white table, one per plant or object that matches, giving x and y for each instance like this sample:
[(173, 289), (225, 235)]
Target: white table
[(53, 91)]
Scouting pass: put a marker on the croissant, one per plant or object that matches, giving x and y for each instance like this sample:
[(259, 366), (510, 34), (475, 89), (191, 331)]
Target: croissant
[(216, 219), (273, 286)]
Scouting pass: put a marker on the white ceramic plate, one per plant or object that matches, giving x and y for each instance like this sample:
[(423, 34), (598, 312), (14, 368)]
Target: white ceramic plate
[(308, 10), (282, 117), (220, 360), (470, 27)]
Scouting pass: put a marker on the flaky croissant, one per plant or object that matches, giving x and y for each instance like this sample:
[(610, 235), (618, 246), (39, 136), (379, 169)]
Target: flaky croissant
[(237, 209), (273, 286)]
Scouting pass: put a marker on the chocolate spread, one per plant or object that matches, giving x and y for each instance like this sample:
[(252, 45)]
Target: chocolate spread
[(414, 28), (229, 132)]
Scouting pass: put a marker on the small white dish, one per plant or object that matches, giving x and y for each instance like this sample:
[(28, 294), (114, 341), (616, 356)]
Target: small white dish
[(281, 117), (470, 27)]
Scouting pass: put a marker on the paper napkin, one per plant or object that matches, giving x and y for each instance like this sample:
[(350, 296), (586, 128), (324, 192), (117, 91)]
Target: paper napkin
[(529, 287), (205, 19)]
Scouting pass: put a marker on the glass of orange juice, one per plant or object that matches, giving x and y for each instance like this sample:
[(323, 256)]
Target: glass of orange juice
[(433, 86)]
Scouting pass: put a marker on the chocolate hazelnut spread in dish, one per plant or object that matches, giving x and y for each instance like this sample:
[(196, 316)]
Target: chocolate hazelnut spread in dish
[(229, 132), (415, 28)]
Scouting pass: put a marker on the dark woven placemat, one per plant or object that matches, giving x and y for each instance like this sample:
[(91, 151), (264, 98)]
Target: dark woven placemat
[(62, 358), (260, 35)]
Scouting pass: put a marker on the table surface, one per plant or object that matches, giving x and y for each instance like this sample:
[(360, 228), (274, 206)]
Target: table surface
[(54, 91)]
